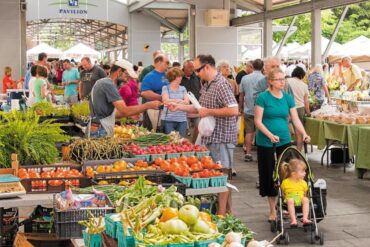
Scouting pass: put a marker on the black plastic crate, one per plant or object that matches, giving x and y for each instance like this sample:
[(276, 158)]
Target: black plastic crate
[(66, 222), (40, 221), (8, 226)]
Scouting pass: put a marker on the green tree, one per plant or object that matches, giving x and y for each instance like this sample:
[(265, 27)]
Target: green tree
[(356, 23)]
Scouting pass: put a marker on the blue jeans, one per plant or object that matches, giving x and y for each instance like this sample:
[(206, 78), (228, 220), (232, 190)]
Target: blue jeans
[(178, 126), (101, 132)]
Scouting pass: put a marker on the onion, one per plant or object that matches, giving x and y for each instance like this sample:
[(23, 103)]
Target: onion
[(214, 245), (232, 237), (235, 244), (254, 243)]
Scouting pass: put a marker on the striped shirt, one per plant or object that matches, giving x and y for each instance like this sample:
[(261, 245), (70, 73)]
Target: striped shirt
[(177, 116)]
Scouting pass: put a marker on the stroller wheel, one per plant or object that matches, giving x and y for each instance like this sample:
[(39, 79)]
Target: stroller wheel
[(273, 227), (321, 234), (286, 238)]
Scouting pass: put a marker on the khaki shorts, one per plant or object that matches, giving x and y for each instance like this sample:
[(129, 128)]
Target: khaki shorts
[(222, 152), (249, 124), (301, 112)]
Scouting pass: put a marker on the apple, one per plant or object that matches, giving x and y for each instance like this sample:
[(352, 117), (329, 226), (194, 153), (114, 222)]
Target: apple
[(189, 214)]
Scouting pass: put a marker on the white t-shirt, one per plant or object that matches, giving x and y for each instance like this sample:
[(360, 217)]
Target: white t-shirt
[(289, 70), (31, 88), (299, 89)]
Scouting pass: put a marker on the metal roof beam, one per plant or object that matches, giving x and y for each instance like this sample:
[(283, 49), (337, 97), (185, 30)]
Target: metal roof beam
[(167, 5), (291, 10), (139, 5), (162, 20), (247, 5)]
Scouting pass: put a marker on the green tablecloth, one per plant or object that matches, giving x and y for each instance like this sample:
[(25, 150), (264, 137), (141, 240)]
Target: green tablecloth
[(356, 136)]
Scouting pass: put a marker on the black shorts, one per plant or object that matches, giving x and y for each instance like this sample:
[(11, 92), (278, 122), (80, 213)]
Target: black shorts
[(266, 165)]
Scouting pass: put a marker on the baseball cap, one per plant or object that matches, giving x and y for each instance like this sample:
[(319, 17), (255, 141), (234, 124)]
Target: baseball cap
[(127, 66)]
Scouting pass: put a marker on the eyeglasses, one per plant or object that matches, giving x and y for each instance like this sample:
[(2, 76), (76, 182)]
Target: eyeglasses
[(278, 79), (200, 68)]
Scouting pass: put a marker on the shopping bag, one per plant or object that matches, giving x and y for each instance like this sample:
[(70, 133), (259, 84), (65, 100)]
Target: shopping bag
[(240, 125), (206, 126)]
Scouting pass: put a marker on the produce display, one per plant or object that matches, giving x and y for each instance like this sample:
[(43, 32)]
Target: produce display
[(10, 186), (157, 139), (97, 149), (32, 141), (129, 131), (183, 165), (46, 109), (331, 113), (67, 200), (60, 174), (181, 147), (81, 111)]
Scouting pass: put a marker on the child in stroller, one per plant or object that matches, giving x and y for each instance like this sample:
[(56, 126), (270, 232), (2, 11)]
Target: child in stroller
[(295, 189), (301, 196)]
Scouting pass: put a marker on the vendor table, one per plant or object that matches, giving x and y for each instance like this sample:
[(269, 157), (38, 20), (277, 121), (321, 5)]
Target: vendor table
[(356, 137), (205, 191)]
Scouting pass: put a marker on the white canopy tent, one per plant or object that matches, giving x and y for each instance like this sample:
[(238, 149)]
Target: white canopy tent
[(358, 49), (33, 53), (81, 50), (304, 51), (284, 53)]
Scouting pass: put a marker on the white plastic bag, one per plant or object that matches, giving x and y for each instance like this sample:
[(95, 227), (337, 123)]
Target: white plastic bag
[(206, 126)]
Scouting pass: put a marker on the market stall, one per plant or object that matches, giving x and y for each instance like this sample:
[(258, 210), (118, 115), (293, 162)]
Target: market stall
[(346, 123), (101, 176)]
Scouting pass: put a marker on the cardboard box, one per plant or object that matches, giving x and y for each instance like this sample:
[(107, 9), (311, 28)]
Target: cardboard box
[(217, 18), (40, 240)]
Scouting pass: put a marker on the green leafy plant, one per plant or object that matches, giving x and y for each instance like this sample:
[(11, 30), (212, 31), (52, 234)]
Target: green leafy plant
[(34, 142), (231, 224), (81, 110)]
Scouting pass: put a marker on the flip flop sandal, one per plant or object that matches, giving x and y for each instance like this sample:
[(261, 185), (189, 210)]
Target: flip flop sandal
[(306, 223)]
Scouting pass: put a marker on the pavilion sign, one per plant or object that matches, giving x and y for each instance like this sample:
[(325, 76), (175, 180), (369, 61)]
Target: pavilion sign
[(73, 7)]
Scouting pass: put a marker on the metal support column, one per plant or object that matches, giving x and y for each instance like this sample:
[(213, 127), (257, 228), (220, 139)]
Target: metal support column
[(286, 36), (335, 32), (192, 31), (316, 36), (23, 34), (267, 31)]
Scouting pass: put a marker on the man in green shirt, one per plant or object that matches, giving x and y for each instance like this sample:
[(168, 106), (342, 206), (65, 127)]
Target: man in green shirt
[(70, 80)]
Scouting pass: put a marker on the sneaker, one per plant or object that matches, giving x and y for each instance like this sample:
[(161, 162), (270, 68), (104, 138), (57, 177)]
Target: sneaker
[(248, 157), (233, 172)]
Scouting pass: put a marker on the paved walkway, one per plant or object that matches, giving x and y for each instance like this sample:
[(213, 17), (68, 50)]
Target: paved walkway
[(347, 222)]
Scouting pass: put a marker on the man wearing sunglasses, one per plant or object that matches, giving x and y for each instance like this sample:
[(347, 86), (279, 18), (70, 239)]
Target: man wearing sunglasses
[(217, 100)]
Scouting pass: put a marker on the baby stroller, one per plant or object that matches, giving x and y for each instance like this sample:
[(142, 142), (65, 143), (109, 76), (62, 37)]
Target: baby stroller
[(316, 195)]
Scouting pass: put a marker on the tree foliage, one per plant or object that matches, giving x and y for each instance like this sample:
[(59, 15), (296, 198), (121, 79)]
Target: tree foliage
[(356, 23)]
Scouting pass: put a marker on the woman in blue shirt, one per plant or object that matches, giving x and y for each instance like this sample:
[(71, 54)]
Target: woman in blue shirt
[(174, 93), (272, 111)]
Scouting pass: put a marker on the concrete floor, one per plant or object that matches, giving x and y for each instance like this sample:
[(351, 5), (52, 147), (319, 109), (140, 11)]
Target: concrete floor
[(347, 222)]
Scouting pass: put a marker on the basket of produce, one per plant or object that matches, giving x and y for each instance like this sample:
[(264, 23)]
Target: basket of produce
[(70, 209), (218, 181), (111, 223), (10, 186), (56, 178), (184, 180), (153, 157), (200, 183), (130, 132), (82, 150), (173, 155), (91, 240)]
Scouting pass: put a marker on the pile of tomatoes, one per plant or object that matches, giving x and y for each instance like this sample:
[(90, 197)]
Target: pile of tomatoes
[(182, 166), (40, 184), (182, 147)]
